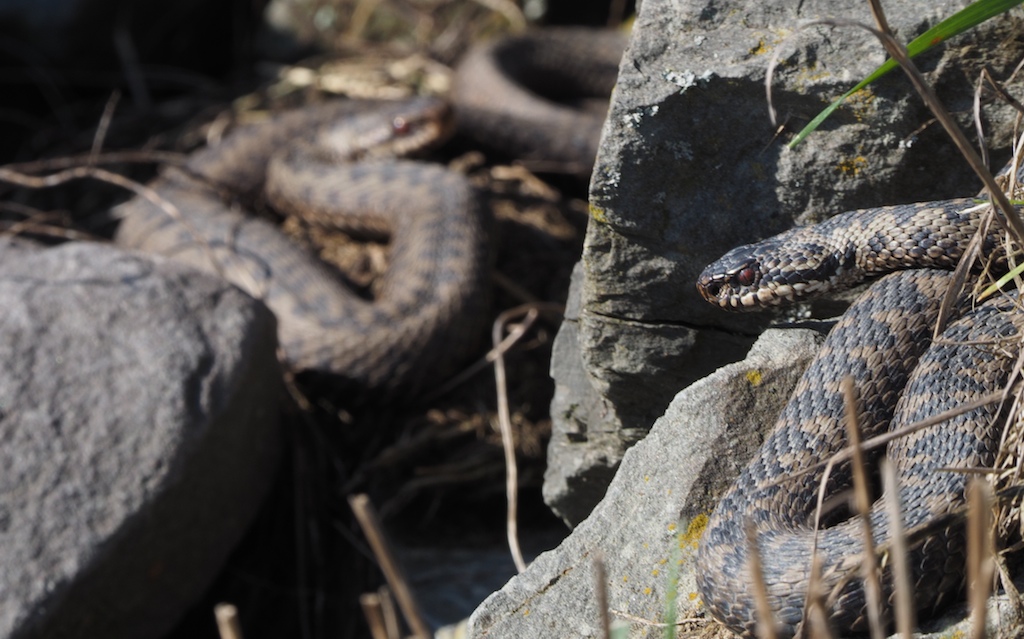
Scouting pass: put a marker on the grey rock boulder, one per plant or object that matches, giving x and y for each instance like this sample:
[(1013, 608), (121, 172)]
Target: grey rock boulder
[(690, 167), (139, 420), (649, 521)]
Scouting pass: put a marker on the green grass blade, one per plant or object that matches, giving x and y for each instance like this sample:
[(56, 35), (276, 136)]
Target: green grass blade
[(971, 15), (1000, 283)]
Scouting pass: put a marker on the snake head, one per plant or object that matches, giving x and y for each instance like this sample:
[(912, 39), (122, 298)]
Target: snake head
[(775, 272), (732, 282), (392, 129)]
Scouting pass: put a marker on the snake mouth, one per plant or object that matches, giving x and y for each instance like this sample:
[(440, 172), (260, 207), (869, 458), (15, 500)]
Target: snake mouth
[(710, 290)]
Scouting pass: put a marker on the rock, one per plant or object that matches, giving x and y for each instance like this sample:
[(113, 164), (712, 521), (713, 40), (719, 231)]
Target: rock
[(651, 516), (590, 437), (585, 450), (138, 411), (690, 167)]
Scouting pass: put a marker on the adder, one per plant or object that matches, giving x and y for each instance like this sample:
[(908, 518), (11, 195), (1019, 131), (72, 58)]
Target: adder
[(339, 164), (884, 342)]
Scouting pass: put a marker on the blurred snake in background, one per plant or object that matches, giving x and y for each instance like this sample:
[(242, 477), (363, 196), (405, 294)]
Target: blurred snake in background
[(345, 164)]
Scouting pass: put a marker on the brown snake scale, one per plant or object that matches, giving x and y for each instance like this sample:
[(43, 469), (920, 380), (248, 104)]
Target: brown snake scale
[(332, 165), (884, 342)]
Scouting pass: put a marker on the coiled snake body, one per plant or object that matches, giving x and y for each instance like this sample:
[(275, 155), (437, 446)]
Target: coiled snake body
[(883, 343), (334, 164), (432, 296)]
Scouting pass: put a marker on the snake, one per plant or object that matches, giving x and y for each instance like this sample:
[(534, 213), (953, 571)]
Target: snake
[(901, 375), (347, 164)]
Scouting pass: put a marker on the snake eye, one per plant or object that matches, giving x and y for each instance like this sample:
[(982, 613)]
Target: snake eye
[(746, 276), (400, 126)]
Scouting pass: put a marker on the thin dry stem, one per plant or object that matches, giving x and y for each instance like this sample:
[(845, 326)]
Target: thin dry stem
[(979, 552), (507, 437), (898, 53), (82, 172), (862, 500), (387, 609), (1012, 221), (374, 532), (227, 621), (815, 612), (370, 603), (104, 125), (90, 159), (905, 613)]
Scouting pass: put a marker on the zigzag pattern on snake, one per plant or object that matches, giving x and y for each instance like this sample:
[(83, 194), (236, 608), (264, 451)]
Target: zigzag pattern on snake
[(883, 343), (332, 164)]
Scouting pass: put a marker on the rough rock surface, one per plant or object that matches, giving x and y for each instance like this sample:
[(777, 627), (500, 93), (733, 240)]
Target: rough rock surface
[(690, 167), (651, 516), (138, 414)]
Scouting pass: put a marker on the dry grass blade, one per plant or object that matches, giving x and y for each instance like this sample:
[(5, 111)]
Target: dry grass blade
[(501, 345), (368, 521), (1012, 222), (985, 77), (815, 612), (898, 53), (387, 609), (109, 157), (862, 498), (979, 552), (227, 621), (370, 603), (765, 618), (104, 125), (963, 269), (82, 172), (508, 444), (905, 612)]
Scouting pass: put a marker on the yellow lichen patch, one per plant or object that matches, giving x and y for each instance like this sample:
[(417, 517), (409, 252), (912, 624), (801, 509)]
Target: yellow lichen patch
[(811, 75), (760, 49), (597, 213), (672, 527), (754, 377), (693, 531), (861, 104), (693, 596), (852, 166), (647, 590)]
